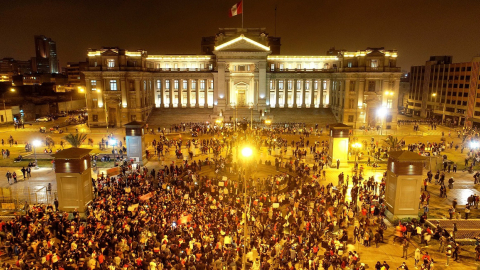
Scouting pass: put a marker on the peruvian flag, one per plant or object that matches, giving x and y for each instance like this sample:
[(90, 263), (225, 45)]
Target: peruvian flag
[(236, 9)]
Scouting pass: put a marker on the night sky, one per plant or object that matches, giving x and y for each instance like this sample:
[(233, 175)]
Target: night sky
[(417, 29)]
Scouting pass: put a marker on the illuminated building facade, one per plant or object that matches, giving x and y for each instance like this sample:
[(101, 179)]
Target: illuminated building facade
[(446, 91), (242, 68)]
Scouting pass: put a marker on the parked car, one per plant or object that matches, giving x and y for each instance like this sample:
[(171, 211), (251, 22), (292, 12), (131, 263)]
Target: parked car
[(42, 119)]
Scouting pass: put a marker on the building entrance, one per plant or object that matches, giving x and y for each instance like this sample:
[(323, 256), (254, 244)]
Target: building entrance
[(241, 99)]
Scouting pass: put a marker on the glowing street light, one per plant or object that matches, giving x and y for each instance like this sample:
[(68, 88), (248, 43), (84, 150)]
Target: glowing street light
[(113, 143), (382, 113), (389, 93), (246, 153), (356, 147), (434, 94), (36, 143), (474, 145)]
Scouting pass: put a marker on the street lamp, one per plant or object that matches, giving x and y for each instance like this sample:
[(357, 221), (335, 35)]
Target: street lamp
[(36, 143), (4, 109), (381, 113), (113, 142), (246, 153), (356, 147)]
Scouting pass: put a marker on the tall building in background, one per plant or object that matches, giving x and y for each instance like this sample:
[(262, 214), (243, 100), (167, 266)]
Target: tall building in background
[(45, 55), (447, 91)]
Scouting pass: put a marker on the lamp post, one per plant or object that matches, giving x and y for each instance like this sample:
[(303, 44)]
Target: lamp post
[(246, 153), (356, 148), (4, 109), (381, 113), (113, 142), (36, 143)]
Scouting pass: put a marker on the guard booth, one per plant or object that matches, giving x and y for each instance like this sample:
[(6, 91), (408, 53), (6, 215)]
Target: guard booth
[(74, 179), (135, 136), (338, 144), (404, 183)]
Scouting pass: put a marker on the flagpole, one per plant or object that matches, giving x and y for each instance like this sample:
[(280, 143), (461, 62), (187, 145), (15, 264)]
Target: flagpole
[(242, 12)]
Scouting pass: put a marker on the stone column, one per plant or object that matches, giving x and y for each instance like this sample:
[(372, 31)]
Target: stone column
[(180, 93), (123, 88), (277, 94), (320, 94), (189, 89), (312, 97), (197, 93), (138, 93), (172, 85), (285, 93), (295, 94), (263, 94), (303, 93), (361, 89)]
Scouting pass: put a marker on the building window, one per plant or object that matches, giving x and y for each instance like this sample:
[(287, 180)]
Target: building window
[(211, 84), (133, 118), (371, 86), (113, 85), (315, 85), (349, 64), (299, 84), (389, 103), (111, 63), (159, 84), (307, 85), (202, 84), (144, 85), (280, 85), (272, 66), (351, 104), (167, 84), (299, 66), (93, 84), (290, 85), (374, 63), (95, 118), (194, 84), (185, 84), (175, 84), (241, 68), (281, 66), (272, 85), (325, 85), (352, 86)]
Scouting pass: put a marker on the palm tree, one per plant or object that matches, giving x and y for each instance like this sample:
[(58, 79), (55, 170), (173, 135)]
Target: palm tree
[(393, 143), (75, 140)]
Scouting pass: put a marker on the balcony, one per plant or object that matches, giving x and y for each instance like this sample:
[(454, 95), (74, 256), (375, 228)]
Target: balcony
[(293, 70)]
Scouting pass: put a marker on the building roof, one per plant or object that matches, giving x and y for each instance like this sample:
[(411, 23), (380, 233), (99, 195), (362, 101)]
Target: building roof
[(340, 126), (406, 156), (135, 124), (72, 153)]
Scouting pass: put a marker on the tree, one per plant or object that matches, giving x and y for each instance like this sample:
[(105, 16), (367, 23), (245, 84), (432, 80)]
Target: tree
[(393, 143), (75, 140)]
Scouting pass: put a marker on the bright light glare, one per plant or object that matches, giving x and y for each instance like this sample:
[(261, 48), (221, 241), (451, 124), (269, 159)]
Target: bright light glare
[(37, 143), (382, 111), (112, 142), (357, 145), (474, 144), (247, 152)]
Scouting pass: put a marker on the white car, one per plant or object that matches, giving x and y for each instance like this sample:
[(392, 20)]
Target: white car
[(42, 119)]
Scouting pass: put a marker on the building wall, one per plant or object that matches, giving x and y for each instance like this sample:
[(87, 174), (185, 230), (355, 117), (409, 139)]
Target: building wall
[(242, 72), (446, 91)]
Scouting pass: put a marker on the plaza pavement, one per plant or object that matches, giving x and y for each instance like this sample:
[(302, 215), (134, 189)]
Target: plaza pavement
[(463, 188)]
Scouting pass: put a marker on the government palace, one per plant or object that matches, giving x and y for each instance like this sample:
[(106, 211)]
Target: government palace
[(243, 68)]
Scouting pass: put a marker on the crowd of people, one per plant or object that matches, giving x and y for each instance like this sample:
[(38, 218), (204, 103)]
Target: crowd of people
[(176, 217)]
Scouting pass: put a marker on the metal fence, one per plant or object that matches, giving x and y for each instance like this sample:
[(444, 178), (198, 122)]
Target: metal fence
[(14, 199)]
